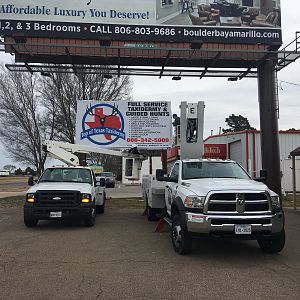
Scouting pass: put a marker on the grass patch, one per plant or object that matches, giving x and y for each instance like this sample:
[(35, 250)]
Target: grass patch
[(11, 201), (13, 179), (287, 200), (110, 203), (125, 203)]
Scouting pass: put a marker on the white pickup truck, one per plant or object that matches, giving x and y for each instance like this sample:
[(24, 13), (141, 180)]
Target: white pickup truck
[(218, 198), (63, 192)]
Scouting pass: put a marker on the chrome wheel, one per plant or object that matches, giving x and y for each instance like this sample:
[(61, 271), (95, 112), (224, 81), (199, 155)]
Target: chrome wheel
[(176, 235), (181, 240)]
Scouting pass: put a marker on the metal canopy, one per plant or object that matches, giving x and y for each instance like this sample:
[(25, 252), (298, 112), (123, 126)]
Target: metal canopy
[(174, 60), (136, 71)]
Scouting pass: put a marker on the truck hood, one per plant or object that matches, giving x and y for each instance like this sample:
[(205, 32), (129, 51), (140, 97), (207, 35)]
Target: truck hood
[(61, 186), (203, 186)]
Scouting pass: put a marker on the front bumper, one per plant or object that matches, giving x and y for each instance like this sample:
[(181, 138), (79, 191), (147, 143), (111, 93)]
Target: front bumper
[(224, 225), (43, 213)]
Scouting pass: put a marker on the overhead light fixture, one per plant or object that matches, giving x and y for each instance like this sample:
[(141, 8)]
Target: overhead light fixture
[(232, 79), (107, 76), (20, 39), (196, 44), (46, 74), (105, 42), (176, 78)]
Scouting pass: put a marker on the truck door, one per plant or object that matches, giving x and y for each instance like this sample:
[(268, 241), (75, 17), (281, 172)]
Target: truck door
[(97, 190), (171, 187)]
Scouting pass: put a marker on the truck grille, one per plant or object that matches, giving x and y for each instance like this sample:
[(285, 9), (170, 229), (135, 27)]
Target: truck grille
[(51, 198), (238, 203)]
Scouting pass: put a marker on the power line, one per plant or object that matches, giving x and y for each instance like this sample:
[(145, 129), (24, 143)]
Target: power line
[(288, 82)]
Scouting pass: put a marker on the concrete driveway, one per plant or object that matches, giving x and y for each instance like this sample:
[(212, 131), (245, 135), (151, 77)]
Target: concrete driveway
[(122, 258)]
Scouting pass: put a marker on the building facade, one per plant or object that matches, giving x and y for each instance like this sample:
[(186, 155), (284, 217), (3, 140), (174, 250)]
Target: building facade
[(245, 148)]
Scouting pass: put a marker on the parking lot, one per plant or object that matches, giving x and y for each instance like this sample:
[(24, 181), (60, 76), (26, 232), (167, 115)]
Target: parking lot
[(122, 258)]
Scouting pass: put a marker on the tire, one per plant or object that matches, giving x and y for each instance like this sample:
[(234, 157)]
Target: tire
[(100, 208), (181, 240), (273, 245), (90, 220), (30, 222), (151, 213)]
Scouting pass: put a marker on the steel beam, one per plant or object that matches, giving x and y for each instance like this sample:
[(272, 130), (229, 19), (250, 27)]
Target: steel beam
[(269, 125)]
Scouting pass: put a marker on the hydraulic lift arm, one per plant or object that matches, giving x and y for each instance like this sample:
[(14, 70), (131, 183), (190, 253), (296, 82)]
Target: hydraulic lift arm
[(65, 152)]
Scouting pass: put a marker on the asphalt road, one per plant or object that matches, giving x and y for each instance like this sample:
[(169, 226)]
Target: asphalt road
[(122, 258)]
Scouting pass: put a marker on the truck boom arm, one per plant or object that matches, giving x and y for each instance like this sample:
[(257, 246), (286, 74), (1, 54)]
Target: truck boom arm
[(65, 151)]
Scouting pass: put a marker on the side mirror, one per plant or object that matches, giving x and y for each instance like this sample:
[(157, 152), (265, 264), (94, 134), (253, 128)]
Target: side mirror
[(263, 175), (101, 182), (160, 176), (31, 181)]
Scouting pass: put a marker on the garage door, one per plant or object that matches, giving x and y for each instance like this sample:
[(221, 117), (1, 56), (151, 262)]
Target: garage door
[(235, 150)]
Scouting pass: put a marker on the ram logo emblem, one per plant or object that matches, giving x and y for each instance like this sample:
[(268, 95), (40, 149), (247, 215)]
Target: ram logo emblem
[(240, 203)]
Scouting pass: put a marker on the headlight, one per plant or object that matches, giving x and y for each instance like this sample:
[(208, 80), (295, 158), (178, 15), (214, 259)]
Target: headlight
[(194, 202), (86, 198), (30, 198), (276, 203)]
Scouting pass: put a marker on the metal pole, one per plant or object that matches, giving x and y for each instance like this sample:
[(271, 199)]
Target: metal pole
[(164, 161), (269, 125), (150, 165), (294, 181)]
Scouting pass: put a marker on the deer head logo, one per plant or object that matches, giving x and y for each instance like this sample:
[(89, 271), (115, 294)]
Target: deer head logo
[(106, 125)]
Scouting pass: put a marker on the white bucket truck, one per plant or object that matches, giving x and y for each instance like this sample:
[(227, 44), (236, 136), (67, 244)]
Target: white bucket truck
[(212, 197), (67, 191)]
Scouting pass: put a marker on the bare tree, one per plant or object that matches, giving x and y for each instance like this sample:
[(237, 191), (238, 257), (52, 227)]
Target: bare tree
[(61, 91), (35, 108), (21, 118)]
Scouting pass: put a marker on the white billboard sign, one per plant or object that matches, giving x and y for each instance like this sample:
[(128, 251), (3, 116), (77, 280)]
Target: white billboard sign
[(124, 124), (81, 11), (145, 20)]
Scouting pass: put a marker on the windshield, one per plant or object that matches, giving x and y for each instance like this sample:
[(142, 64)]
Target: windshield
[(193, 170), (67, 175), (106, 174)]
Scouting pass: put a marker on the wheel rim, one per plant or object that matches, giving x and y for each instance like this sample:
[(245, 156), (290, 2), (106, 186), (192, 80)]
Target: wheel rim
[(176, 235)]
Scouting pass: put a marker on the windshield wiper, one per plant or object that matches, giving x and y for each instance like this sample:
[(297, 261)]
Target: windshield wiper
[(48, 181), (227, 177)]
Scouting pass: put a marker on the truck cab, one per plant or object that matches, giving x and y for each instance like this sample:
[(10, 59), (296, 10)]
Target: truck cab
[(64, 192)]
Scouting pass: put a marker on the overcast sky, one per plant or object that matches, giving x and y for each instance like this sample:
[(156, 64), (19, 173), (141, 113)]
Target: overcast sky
[(222, 97)]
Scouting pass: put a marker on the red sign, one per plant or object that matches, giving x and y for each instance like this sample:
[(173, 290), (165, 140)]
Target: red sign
[(215, 151), (173, 154)]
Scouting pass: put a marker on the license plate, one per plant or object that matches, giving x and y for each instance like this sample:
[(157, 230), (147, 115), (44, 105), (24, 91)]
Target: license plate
[(242, 229), (55, 214)]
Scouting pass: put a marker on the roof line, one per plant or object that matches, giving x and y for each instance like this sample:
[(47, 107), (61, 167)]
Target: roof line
[(250, 131)]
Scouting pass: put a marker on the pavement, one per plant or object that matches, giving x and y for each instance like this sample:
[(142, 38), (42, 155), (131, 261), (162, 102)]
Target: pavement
[(122, 258)]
